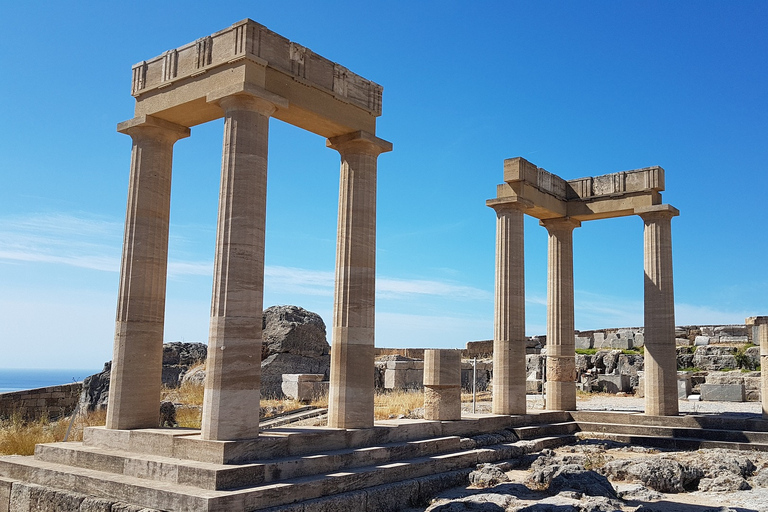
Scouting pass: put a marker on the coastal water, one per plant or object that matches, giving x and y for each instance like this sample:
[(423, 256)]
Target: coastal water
[(16, 379)]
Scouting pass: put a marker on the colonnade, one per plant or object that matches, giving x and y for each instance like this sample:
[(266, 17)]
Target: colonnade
[(509, 339), (232, 386)]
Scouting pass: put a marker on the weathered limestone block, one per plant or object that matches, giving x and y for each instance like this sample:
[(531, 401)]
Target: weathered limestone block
[(701, 341), (304, 386), (715, 358), (722, 392), (403, 378), (612, 383), (561, 368), (442, 385), (683, 385), (583, 342)]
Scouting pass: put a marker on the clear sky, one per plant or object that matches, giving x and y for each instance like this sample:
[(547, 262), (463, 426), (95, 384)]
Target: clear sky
[(578, 88)]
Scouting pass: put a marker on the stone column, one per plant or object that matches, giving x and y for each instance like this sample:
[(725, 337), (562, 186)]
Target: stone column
[(350, 401), (509, 372), (442, 385), (761, 339), (660, 348), (233, 377), (137, 360), (561, 344)]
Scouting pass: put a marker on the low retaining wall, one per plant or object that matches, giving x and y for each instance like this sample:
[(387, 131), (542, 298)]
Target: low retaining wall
[(32, 404)]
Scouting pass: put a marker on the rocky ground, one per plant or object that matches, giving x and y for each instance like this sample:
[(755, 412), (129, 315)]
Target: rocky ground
[(597, 476)]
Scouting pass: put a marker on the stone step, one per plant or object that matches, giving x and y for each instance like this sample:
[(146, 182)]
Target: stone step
[(753, 423), (227, 476), (178, 497), (732, 436), (536, 431), (672, 443)]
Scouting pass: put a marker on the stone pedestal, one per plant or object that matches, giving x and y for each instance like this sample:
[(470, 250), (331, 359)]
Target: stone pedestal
[(350, 401), (233, 377), (509, 341), (442, 385), (134, 394), (761, 339), (561, 350), (660, 347)]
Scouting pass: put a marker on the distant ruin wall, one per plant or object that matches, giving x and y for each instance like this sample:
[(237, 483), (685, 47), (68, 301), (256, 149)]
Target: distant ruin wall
[(32, 404)]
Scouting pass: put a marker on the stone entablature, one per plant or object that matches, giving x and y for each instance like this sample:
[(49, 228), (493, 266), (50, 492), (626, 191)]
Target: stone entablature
[(546, 195), (249, 53)]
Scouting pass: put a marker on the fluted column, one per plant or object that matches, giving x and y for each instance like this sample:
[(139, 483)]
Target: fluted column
[(233, 377), (350, 402), (137, 361), (509, 372), (761, 339), (561, 346), (660, 347)]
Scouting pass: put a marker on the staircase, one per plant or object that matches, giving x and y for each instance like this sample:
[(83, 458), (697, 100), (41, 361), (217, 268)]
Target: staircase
[(690, 432), (396, 464)]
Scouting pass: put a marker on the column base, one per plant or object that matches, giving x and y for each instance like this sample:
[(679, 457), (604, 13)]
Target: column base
[(561, 396)]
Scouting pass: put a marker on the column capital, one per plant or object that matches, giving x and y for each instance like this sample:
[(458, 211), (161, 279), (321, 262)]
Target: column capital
[(560, 224), (505, 204), (756, 320), (359, 142), (154, 127), (245, 96), (657, 211)]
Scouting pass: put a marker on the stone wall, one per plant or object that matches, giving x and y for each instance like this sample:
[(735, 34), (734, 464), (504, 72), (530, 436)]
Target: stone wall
[(32, 404)]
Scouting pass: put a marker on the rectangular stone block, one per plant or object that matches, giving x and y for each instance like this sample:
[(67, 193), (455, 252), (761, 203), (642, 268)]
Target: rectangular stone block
[(612, 383), (722, 392), (701, 341), (583, 342), (639, 340), (620, 343), (734, 339), (682, 342), (683, 388), (599, 340), (5, 494)]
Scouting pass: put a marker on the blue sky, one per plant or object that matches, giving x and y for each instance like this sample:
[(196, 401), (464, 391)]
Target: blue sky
[(579, 88)]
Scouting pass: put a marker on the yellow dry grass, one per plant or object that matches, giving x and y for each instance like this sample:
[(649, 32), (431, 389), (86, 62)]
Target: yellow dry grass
[(391, 404), (19, 437)]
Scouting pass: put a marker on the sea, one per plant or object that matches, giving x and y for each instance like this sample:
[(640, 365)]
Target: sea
[(18, 379)]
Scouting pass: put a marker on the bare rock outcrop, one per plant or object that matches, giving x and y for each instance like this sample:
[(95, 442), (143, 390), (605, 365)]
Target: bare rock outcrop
[(293, 341)]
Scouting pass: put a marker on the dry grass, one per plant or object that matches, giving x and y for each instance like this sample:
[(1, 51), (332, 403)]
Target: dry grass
[(391, 404), (19, 437)]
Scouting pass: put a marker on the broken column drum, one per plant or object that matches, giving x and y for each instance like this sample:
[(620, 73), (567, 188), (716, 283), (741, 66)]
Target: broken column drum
[(442, 385), (560, 207), (246, 74)]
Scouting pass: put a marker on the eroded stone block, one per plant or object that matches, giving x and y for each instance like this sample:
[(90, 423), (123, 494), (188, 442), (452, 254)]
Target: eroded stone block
[(722, 392)]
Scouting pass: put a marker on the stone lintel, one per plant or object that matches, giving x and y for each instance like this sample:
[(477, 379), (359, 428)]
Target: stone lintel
[(756, 320), (248, 89), (324, 97), (154, 122)]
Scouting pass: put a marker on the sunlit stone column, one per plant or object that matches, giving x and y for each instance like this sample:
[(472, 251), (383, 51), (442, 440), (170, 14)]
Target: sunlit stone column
[(509, 372), (561, 345), (233, 377), (137, 361), (350, 403), (442, 385), (660, 348), (761, 339)]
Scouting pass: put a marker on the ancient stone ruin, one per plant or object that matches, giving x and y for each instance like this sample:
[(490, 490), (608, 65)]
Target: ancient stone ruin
[(248, 74)]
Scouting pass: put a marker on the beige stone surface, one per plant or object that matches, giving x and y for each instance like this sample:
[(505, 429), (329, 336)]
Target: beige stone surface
[(761, 322), (561, 345), (509, 311), (350, 402), (660, 346), (233, 377), (134, 394), (442, 403), (442, 367)]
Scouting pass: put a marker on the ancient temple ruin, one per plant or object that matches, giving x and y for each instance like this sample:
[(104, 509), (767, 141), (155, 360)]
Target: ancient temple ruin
[(561, 206), (245, 74)]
